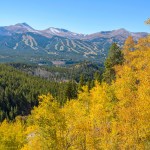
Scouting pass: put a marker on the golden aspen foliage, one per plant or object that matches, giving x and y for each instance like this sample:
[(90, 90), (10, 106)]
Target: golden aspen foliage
[(132, 88), (12, 135), (128, 47), (147, 21), (47, 125), (129, 44)]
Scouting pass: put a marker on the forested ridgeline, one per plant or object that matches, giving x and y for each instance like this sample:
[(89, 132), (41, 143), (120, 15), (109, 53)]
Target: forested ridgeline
[(115, 114), (19, 92), (62, 73)]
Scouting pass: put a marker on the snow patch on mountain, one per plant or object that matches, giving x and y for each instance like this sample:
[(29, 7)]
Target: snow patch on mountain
[(54, 30)]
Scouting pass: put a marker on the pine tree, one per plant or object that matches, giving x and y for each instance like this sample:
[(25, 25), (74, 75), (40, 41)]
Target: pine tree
[(97, 76), (71, 90), (115, 57), (81, 82)]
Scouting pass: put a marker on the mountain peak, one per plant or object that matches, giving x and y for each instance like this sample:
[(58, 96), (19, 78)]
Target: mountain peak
[(53, 30), (57, 29), (64, 30), (20, 28), (24, 25), (122, 29)]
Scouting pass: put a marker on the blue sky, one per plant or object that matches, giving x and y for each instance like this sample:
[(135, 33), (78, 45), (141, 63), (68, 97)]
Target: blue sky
[(81, 16)]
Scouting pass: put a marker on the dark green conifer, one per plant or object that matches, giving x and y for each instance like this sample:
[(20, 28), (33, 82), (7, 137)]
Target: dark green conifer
[(115, 57)]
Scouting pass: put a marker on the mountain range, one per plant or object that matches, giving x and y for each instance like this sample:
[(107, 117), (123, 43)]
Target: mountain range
[(22, 43)]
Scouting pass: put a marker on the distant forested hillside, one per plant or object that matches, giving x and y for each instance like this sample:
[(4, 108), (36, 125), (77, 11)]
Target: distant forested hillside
[(61, 73)]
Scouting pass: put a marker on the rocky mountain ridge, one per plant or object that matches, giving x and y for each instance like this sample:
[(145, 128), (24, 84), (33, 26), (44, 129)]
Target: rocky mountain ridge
[(21, 42)]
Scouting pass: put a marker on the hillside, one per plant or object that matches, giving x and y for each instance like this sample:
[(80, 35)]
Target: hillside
[(22, 43)]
